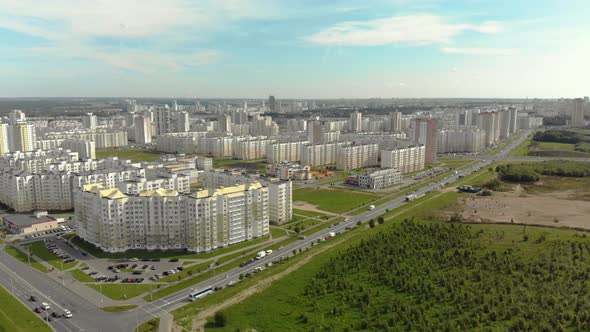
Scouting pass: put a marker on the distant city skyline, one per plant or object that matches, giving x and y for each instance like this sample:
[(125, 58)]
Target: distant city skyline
[(296, 49)]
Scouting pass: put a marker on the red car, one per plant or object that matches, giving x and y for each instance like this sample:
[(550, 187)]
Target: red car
[(38, 310)]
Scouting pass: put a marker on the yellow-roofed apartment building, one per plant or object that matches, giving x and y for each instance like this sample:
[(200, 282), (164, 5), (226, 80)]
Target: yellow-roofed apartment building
[(163, 219)]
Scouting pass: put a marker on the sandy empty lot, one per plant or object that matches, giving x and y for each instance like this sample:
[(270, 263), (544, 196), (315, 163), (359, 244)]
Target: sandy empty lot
[(524, 208)]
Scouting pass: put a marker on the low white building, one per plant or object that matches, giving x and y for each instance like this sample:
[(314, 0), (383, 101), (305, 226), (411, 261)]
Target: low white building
[(376, 179), (289, 171)]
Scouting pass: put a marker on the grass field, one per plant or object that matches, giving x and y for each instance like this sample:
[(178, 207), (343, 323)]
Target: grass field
[(22, 257), (333, 200), (151, 325), (97, 252), (133, 155), (280, 306), (81, 276), (454, 162), (119, 308), (302, 224), (277, 232), (523, 149), (310, 213), (257, 165), (15, 317), (38, 249), (122, 291)]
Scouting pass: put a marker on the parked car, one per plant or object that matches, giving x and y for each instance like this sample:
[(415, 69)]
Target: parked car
[(67, 313), (38, 310), (45, 306), (153, 267)]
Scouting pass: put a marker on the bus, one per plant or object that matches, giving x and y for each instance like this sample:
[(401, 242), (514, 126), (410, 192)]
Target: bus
[(197, 295)]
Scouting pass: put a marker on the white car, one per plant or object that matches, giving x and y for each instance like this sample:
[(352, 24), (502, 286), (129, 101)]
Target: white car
[(67, 313), (45, 306)]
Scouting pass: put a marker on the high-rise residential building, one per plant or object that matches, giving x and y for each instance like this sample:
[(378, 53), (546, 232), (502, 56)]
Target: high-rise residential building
[(21, 137), (577, 113), (424, 132), (162, 119), (225, 123), (16, 117), (314, 131), (470, 140), (85, 149), (4, 148), (356, 122), (513, 119), (272, 106), (183, 124), (489, 122), (406, 160), (395, 120), (504, 123), (318, 154), (143, 128), (251, 148), (355, 156), (280, 201), (277, 152), (89, 121), (200, 222)]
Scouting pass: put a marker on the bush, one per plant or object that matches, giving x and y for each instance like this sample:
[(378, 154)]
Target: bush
[(380, 220), (220, 319), (371, 223), (486, 193), (494, 184)]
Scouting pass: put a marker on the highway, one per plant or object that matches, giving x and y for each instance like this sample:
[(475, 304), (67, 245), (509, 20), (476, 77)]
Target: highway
[(24, 281)]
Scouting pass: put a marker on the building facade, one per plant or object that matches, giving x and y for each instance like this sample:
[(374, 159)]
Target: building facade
[(405, 160)]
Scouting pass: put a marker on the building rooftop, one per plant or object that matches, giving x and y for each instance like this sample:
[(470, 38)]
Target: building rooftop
[(21, 220)]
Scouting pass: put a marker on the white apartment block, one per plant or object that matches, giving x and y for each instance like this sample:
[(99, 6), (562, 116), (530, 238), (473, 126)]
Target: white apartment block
[(22, 137), (469, 140), (204, 163), (319, 154), (330, 136), (164, 219), (490, 123), (251, 148), (217, 146), (89, 121), (102, 138), (289, 171), (142, 125), (280, 192), (353, 156), (277, 152), (406, 160), (4, 147), (176, 143), (356, 122), (376, 179), (85, 149), (168, 181)]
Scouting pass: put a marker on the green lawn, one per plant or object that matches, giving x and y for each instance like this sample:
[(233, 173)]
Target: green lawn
[(333, 200), (38, 249), (81, 276), (16, 317), (97, 252), (133, 155), (151, 325), (522, 150), (122, 291), (22, 257), (187, 272), (277, 232), (119, 308), (302, 224), (310, 213)]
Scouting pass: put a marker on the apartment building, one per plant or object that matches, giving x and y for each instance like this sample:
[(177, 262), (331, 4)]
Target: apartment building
[(85, 149), (424, 133), (469, 140), (406, 160), (103, 138), (204, 163), (289, 171), (319, 154), (355, 156), (164, 219), (277, 152), (251, 148), (176, 143)]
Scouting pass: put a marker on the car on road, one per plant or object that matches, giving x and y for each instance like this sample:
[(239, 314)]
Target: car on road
[(33, 298), (38, 310), (153, 267), (173, 260), (67, 313), (54, 314), (134, 259), (48, 319), (45, 306)]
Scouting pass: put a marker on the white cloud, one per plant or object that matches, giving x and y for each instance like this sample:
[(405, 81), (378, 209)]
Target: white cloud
[(414, 30), (480, 51), (74, 27)]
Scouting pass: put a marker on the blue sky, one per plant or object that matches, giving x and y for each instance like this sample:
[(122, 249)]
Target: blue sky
[(295, 49)]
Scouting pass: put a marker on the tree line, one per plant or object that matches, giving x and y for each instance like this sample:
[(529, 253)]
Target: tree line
[(531, 172)]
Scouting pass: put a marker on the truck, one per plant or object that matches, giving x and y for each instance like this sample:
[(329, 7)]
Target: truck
[(371, 207), (410, 198), (261, 254)]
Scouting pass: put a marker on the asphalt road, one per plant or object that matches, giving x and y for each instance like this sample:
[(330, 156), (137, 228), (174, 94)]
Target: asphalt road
[(24, 281)]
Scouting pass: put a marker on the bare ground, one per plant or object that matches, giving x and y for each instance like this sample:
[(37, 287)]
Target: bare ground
[(556, 209), (310, 207)]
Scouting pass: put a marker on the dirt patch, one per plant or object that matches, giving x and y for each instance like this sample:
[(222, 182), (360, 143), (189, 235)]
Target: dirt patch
[(552, 209), (310, 207)]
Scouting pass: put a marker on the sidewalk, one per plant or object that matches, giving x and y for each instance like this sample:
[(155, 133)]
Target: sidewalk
[(166, 321)]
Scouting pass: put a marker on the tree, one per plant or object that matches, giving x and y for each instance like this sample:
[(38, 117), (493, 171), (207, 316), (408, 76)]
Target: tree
[(220, 319), (372, 223), (297, 229), (380, 220)]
